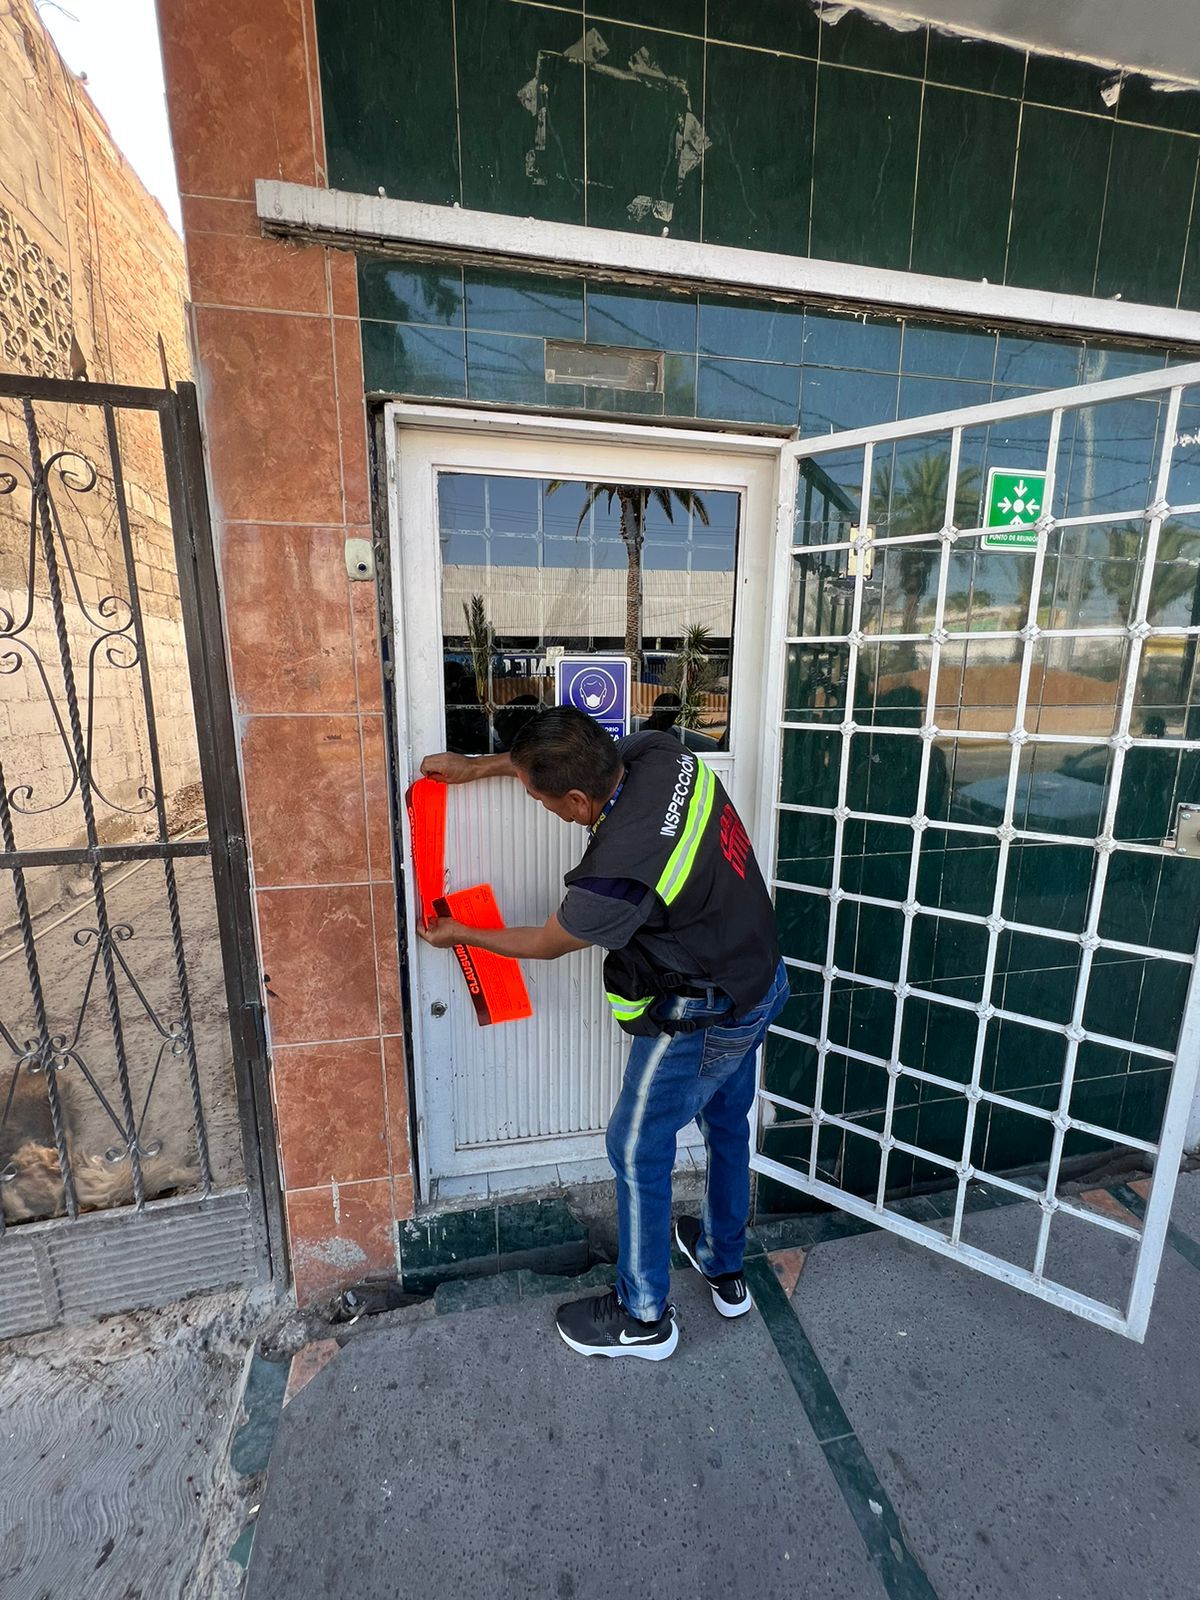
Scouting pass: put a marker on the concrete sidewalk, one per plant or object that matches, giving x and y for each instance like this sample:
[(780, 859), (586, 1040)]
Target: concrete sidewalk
[(901, 1428)]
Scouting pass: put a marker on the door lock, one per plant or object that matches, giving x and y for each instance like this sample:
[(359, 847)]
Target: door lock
[(438, 1008), (1184, 838)]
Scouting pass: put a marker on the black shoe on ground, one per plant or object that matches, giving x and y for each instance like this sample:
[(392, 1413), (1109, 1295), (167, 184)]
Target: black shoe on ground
[(730, 1294), (601, 1326)]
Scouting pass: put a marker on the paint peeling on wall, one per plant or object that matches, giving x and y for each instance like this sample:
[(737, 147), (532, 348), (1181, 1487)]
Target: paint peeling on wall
[(1021, 38), (684, 136)]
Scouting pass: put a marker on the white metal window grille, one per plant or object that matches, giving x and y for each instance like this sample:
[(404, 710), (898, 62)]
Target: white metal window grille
[(869, 591)]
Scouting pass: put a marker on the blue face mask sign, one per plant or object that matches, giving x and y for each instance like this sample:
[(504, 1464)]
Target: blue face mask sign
[(597, 685)]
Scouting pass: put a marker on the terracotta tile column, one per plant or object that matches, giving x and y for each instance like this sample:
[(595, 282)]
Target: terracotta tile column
[(275, 329)]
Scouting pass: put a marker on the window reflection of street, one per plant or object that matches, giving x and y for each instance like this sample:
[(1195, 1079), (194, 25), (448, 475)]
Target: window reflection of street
[(533, 569)]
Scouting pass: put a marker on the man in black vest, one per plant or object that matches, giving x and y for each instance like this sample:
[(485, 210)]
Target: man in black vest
[(669, 886)]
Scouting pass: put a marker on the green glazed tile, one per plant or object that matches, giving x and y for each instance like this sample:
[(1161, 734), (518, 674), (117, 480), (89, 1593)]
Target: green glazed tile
[(1069, 85), (957, 872), (520, 110), (1018, 1059), (411, 360), (530, 1225), (748, 391), (1137, 261), (883, 773), (740, 328), (1144, 1104), (861, 1017), (1038, 363), (856, 40), (1140, 102), (803, 924), (386, 126), (1157, 988), (810, 768), (872, 343), (945, 1034), (640, 318), (679, 385), (676, 16), (1153, 783), (802, 1013), (832, 400), (512, 302), (239, 1552), (1005, 1139), (790, 1069), (767, 25), (401, 291), (1062, 170), (868, 941), (512, 368), (865, 167), (756, 183), (805, 848), (639, 177), (1152, 900), (439, 1247), (1049, 886), (968, 150), (623, 402), (262, 1401), (933, 351), (975, 64), (1037, 977)]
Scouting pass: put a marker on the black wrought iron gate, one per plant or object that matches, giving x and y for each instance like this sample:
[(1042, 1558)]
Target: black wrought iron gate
[(136, 1159)]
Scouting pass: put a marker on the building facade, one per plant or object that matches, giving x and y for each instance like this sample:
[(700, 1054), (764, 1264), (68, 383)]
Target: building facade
[(484, 259)]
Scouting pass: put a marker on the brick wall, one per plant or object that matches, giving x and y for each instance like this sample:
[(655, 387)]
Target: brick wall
[(91, 278)]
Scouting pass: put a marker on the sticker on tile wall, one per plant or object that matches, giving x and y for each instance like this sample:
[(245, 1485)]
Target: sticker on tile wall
[(1014, 503)]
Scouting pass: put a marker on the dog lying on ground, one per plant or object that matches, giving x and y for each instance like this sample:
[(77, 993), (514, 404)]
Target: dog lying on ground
[(31, 1185)]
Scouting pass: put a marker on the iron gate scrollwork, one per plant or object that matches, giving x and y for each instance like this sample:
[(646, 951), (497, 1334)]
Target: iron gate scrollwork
[(132, 1059)]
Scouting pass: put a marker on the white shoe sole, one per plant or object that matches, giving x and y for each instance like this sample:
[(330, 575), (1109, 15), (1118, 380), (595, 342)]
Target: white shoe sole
[(726, 1310), (646, 1352)]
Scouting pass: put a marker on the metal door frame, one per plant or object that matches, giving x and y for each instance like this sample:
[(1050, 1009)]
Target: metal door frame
[(1166, 1153), (75, 1266), (406, 577)]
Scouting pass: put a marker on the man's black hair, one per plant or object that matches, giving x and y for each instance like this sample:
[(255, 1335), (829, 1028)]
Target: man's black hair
[(564, 749)]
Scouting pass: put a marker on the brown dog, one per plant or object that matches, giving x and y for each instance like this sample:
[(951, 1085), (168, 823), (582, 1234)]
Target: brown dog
[(31, 1186)]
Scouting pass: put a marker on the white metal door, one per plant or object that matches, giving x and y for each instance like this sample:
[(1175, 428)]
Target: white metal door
[(980, 739), (497, 1102)]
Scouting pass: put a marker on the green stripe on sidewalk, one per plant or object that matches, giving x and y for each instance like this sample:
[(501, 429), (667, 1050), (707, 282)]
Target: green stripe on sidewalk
[(1182, 1243), (875, 1516)]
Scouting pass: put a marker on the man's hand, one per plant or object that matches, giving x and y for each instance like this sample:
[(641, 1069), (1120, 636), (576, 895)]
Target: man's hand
[(444, 932), (449, 768), (546, 943)]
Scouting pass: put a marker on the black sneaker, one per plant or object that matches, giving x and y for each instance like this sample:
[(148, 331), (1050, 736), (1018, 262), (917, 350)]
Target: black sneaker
[(730, 1294), (601, 1326)]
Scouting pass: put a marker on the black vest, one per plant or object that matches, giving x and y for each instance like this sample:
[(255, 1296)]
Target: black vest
[(674, 829)]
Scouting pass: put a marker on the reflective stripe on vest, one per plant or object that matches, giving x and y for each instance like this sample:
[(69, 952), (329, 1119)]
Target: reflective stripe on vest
[(628, 1010), (683, 857)]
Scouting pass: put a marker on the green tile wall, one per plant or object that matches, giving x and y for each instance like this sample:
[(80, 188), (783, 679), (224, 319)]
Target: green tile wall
[(441, 331), (756, 124)]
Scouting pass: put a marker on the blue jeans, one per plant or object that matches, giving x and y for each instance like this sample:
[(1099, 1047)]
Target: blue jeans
[(669, 1080)]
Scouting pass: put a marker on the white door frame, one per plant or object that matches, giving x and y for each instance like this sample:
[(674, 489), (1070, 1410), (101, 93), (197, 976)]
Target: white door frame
[(1165, 1153), (498, 442)]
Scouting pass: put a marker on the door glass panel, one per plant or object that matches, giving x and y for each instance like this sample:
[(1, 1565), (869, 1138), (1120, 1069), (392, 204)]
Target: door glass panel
[(535, 568)]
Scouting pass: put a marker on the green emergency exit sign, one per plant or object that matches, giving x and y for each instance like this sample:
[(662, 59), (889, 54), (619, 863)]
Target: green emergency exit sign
[(1014, 501)]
